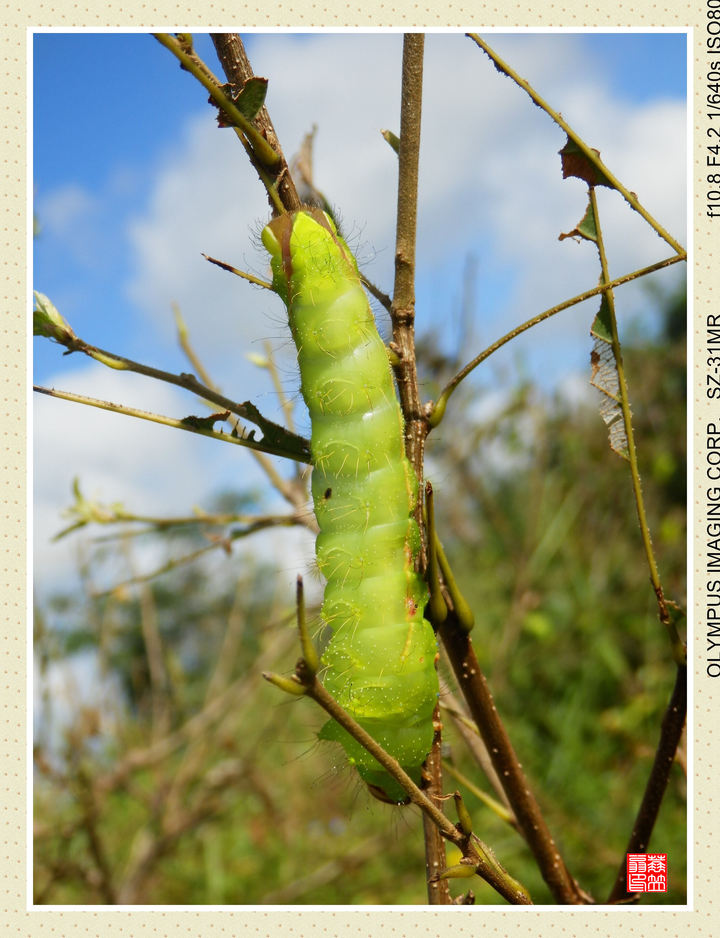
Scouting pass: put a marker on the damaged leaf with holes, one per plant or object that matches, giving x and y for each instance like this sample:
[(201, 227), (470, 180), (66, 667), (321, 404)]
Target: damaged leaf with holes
[(604, 377)]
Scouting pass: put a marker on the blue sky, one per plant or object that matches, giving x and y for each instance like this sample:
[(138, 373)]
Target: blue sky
[(133, 182), (107, 110)]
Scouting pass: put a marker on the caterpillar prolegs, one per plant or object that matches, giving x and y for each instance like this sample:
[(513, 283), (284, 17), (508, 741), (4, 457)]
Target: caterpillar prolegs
[(380, 661)]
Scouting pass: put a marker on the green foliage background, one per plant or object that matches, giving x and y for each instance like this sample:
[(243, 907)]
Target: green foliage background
[(251, 809)]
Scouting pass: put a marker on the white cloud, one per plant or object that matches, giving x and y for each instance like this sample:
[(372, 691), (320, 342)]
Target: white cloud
[(65, 207), (150, 469), (69, 214)]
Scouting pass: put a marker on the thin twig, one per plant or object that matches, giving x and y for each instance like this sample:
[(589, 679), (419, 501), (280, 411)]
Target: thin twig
[(172, 564), (492, 803), (677, 645), (470, 733), (674, 719), (286, 405), (239, 273), (165, 421), (153, 525), (216, 543), (235, 631), (383, 299), (263, 151), (186, 346), (247, 410), (296, 492), (293, 492), (588, 152), (155, 656), (670, 733), (437, 410)]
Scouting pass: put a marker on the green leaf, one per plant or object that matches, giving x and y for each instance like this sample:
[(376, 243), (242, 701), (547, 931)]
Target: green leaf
[(251, 97), (587, 228), (601, 328), (205, 423), (392, 139), (48, 322)]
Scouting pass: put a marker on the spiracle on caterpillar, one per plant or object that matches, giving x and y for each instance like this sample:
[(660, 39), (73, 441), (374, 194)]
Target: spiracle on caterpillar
[(382, 670)]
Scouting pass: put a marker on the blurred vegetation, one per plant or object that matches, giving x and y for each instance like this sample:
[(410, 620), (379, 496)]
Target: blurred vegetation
[(191, 781)]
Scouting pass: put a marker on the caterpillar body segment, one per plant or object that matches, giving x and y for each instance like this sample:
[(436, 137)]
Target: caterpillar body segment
[(380, 661)]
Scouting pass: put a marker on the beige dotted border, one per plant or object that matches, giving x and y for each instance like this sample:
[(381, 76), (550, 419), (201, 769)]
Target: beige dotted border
[(15, 918)]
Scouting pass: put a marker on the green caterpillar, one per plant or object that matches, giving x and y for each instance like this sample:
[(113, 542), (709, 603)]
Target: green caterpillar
[(380, 661)]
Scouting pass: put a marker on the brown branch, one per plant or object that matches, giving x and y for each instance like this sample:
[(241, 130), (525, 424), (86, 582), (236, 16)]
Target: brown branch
[(402, 314), (438, 890), (670, 733), (238, 70), (479, 857), (532, 824), (403, 304)]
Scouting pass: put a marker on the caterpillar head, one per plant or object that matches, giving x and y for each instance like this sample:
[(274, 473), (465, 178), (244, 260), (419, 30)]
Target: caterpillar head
[(304, 241)]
